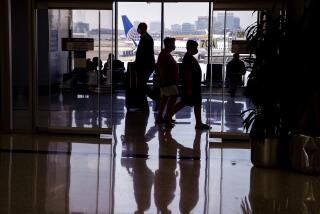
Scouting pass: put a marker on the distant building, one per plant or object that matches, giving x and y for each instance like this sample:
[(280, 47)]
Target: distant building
[(236, 22), (155, 27), (232, 22), (220, 18), (176, 28), (187, 28), (202, 23), (229, 21), (78, 15), (81, 27)]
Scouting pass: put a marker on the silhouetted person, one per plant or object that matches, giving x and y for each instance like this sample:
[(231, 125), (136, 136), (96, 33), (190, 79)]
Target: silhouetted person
[(167, 74), (96, 63), (117, 70), (134, 144), (89, 64), (191, 85), (144, 63), (235, 70)]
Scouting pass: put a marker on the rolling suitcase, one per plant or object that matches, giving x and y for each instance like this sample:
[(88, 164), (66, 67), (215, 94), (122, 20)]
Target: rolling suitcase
[(134, 96)]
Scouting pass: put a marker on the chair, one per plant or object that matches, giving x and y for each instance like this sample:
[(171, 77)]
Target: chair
[(214, 71)]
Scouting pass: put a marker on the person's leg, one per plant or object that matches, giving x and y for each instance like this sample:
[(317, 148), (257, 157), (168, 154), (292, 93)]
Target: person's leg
[(171, 101), (177, 107), (156, 96), (197, 114), (162, 105), (140, 81), (233, 87)]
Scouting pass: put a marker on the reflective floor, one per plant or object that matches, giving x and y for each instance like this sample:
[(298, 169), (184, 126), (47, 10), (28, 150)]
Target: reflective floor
[(145, 168), (92, 110)]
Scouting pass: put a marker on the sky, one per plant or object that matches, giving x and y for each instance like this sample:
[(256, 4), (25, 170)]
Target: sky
[(174, 13)]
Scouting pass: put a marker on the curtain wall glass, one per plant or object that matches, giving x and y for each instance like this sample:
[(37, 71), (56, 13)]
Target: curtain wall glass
[(228, 35), (74, 78)]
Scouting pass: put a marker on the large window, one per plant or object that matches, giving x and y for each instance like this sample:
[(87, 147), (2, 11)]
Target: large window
[(74, 80), (235, 24), (185, 21), (130, 14)]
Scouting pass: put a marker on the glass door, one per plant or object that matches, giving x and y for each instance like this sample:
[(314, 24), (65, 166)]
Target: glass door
[(228, 99), (74, 70)]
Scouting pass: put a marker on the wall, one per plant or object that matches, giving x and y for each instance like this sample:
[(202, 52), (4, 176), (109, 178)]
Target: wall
[(22, 64), (5, 66)]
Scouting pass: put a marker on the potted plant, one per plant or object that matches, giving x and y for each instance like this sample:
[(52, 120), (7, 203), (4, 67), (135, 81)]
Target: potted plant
[(267, 43)]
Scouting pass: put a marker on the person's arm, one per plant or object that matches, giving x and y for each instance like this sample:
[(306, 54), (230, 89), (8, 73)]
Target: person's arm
[(161, 67), (152, 60), (243, 68), (188, 81)]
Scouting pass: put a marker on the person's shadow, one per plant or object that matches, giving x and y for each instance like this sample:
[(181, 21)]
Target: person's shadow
[(134, 158), (165, 176), (170, 151), (189, 165)]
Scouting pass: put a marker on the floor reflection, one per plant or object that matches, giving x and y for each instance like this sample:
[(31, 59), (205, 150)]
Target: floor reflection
[(190, 173), (165, 175), (157, 176), (43, 174), (147, 168), (159, 171), (275, 191), (69, 109), (233, 109)]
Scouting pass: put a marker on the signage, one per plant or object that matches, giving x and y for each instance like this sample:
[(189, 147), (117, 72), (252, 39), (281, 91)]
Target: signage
[(240, 47), (77, 44)]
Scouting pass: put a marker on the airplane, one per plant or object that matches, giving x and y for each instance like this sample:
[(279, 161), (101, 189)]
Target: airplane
[(217, 43)]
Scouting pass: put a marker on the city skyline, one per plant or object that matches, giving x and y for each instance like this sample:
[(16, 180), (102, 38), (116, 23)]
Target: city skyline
[(151, 12), (156, 25)]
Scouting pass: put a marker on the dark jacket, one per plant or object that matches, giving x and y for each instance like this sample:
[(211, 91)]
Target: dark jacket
[(145, 53), (235, 69)]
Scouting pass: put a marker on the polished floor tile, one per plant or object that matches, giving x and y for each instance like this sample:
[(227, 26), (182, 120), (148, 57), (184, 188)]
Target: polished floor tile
[(146, 168)]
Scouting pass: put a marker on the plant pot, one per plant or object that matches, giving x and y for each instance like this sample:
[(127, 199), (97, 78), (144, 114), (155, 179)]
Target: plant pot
[(305, 154), (266, 153)]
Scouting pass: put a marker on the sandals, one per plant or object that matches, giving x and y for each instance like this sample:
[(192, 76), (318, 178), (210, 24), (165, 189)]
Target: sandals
[(160, 120), (202, 126), (169, 125), (169, 120)]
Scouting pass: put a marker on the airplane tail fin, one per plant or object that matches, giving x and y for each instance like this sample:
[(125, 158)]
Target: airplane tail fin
[(130, 31)]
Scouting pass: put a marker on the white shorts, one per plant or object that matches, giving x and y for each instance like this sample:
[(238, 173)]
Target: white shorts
[(167, 91)]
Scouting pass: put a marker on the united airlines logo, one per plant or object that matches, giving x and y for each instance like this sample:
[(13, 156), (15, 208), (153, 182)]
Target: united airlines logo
[(132, 34)]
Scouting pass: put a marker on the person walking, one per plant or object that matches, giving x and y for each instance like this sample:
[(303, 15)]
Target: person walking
[(191, 85), (167, 77), (144, 64)]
